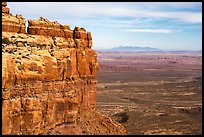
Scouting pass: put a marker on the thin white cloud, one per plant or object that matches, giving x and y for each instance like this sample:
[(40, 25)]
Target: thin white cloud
[(173, 5), (153, 30), (184, 17), (116, 9)]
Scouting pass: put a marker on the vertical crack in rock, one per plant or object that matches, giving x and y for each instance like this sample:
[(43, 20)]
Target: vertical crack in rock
[(49, 79), (77, 62)]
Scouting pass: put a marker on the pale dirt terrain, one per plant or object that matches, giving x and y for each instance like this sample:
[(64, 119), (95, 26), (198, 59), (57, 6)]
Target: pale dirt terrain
[(152, 93)]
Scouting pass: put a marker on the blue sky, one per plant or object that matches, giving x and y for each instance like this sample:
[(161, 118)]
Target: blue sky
[(164, 25)]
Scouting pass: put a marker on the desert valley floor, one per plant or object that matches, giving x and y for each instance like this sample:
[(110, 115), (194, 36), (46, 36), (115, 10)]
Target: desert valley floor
[(153, 92)]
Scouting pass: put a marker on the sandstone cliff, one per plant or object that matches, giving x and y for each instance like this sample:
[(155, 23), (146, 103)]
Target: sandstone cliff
[(49, 79)]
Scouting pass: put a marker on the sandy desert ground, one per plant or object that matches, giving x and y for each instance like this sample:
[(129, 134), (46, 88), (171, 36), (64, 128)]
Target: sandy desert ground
[(153, 92)]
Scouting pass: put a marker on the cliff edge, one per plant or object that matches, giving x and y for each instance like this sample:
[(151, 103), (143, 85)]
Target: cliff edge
[(49, 79)]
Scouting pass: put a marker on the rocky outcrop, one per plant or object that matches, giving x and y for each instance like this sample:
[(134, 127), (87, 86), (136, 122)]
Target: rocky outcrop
[(65, 37), (47, 28), (49, 81), (5, 10), (12, 23)]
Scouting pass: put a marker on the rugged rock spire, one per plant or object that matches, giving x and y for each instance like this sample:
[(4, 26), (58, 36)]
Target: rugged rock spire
[(5, 10), (12, 23)]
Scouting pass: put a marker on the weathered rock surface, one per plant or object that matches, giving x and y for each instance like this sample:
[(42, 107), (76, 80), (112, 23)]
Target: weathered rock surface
[(47, 28), (5, 10), (49, 80), (12, 23)]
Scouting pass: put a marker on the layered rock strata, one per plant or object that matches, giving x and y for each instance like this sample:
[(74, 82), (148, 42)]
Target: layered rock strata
[(12, 23), (49, 79)]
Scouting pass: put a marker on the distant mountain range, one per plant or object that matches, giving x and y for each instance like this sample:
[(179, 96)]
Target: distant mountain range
[(131, 49)]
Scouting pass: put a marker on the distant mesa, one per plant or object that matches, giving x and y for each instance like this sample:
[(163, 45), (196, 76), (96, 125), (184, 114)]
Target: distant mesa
[(131, 49)]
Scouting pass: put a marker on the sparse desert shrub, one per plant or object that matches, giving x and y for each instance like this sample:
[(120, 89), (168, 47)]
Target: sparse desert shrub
[(172, 62), (6, 41), (42, 46), (32, 44)]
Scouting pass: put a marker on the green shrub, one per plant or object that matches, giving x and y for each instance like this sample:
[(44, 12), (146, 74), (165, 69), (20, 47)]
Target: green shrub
[(6, 41)]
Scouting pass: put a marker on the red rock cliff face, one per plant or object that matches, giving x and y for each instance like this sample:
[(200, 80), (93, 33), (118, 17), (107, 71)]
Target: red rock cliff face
[(12, 23), (48, 80)]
